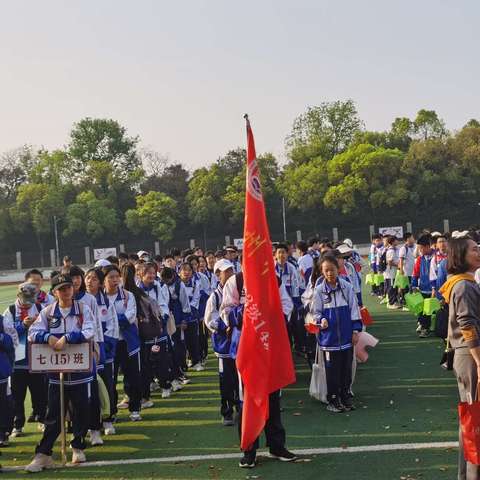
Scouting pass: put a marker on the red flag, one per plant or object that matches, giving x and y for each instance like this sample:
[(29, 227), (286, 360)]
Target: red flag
[(264, 358)]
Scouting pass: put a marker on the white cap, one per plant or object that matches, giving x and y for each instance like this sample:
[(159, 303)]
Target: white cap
[(142, 253), (344, 249), (102, 263), (222, 265)]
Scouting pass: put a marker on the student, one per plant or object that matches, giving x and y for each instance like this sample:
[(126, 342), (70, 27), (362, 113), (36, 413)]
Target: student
[(421, 280), (8, 344), (36, 277), (392, 259), (22, 314), (156, 352), (210, 258), (231, 312), (305, 261), (179, 306), (439, 254), (231, 253), (77, 276), (221, 343), (127, 353), (335, 310), (122, 259), (94, 281), (198, 264), (290, 278), (67, 262), (372, 257), (314, 247), (192, 343), (65, 321)]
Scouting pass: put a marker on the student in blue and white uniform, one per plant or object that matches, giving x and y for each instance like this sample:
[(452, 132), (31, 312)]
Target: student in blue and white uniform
[(179, 306), (8, 344), (43, 298), (22, 314), (65, 321), (163, 352), (335, 310), (80, 294), (94, 279), (290, 279), (127, 354), (231, 254), (305, 261), (192, 342), (221, 343), (199, 266)]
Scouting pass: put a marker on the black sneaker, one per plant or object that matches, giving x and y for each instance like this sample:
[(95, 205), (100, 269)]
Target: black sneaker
[(228, 421), (248, 460), (335, 406), (284, 455), (348, 404)]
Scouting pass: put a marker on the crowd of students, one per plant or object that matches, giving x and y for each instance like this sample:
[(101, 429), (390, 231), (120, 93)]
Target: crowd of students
[(151, 318)]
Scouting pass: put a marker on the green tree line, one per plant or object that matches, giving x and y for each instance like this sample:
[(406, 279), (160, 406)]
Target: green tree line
[(102, 186)]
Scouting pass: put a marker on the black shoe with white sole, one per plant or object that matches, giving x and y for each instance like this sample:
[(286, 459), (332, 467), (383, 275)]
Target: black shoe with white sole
[(283, 455), (248, 460)]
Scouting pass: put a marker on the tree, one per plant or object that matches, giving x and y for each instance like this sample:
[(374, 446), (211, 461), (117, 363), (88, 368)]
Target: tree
[(205, 196), (366, 176), (103, 140), (35, 205), (234, 197), (154, 214), (331, 127), (304, 186), (15, 166), (428, 125), (91, 216)]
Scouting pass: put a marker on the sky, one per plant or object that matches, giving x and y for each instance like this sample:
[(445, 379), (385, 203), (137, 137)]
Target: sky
[(181, 74)]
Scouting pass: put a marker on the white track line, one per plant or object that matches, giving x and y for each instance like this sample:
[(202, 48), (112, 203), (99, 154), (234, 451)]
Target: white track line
[(228, 456)]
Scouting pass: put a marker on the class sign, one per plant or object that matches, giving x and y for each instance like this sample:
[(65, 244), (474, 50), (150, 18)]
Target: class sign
[(73, 358)]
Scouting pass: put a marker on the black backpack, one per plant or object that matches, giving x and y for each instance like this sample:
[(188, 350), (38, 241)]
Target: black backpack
[(383, 261)]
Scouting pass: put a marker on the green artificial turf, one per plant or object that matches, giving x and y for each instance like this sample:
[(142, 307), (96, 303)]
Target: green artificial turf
[(402, 396)]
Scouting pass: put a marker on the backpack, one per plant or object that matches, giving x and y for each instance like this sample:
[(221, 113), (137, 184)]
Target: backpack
[(149, 318), (383, 261), (10, 351)]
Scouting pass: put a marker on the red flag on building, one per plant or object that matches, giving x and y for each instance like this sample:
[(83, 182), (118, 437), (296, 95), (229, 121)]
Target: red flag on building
[(264, 358)]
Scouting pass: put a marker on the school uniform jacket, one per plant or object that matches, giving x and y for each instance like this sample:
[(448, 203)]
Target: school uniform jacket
[(220, 341), (126, 308), (22, 331), (339, 306), (8, 343), (78, 326), (109, 321)]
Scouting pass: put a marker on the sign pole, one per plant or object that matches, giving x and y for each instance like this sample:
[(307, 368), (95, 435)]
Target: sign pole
[(62, 421)]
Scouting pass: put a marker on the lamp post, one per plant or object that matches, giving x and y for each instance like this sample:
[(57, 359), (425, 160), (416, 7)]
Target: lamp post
[(57, 251)]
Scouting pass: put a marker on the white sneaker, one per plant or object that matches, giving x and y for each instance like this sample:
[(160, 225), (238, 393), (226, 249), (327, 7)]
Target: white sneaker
[(40, 462), (198, 368), (123, 405), (95, 438), (147, 404), (16, 432), (166, 392), (135, 417), (78, 456), (176, 385), (154, 386), (108, 428)]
